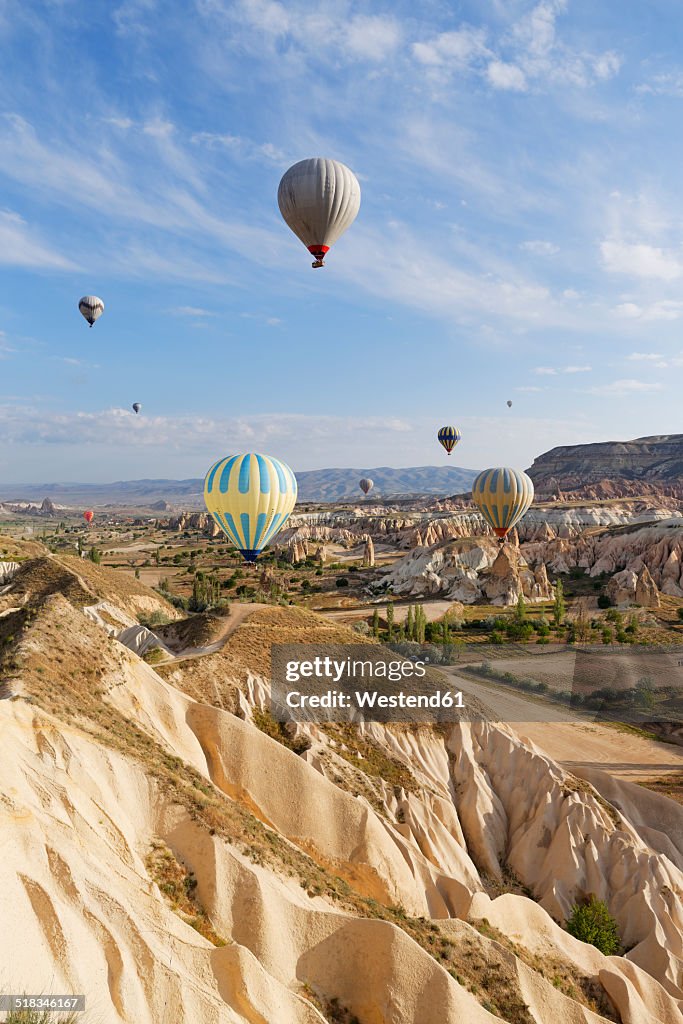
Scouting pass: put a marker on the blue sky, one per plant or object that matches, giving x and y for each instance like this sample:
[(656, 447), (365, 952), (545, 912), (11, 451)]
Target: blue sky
[(520, 233)]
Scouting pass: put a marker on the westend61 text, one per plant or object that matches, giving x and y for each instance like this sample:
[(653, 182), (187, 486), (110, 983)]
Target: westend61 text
[(370, 699)]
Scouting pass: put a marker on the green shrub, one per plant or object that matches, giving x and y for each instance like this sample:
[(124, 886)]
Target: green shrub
[(591, 921), (604, 601)]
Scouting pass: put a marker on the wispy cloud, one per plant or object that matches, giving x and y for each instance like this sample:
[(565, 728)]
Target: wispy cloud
[(20, 247), (196, 311), (539, 247), (188, 433), (623, 387), (667, 83), (530, 54), (553, 371), (641, 260), (664, 309)]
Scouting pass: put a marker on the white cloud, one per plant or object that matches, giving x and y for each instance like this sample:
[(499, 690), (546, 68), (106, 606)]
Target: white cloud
[(506, 76), (120, 427), (20, 247), (669, 83), (640, 260), (373, 37), (664, 309), (528, 387), (607, 64), (454, 49), (240, 147), (576, 369), (190, 311), (539, 247), (623, 387), (641, 356), (545, 371), (628, 310), (315, 31)]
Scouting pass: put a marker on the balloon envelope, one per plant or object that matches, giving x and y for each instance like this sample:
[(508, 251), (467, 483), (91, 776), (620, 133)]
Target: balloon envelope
[(449, 437), (366, 485), (136, 407), (509, 404), (250, 497), (503, 496), (91, 308), (319, 199), (88, 516)]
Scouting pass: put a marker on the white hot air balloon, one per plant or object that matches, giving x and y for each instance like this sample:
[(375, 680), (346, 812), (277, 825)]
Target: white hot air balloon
[(91, 308), (319, 199), (366, 485)]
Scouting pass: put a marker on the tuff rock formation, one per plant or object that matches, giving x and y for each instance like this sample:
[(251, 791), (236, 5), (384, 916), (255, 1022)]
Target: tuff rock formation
[(627, 587), (368, 553), (470, 570)]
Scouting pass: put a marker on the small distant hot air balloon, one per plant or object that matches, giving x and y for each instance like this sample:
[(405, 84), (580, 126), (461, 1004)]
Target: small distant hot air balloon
[(251, 498), (88, 516), (449, 437), (509, 403), (366, 485), (319, 199), (91, 308), (503, 496), (136, 407)]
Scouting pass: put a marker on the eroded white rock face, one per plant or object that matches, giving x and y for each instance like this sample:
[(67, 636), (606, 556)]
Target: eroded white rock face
[(659, 548), (83, 815), (470, 571), (7, 571)]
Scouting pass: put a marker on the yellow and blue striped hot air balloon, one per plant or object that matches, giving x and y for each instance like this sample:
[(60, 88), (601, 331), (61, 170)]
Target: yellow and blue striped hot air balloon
[(503, 496), (449, 437), (250, 497)]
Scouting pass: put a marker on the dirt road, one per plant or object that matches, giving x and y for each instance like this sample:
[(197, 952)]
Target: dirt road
[(573, 740)]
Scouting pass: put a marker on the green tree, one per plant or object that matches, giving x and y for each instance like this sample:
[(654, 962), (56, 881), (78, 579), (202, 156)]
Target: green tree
[(375, 623), (410, 623), (559, 605), (390, 620), (95, 556), (591, 921), (520, 610), (420, 627)]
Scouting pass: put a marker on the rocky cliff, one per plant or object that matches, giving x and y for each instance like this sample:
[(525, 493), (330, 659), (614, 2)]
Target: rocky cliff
[(649, 460)]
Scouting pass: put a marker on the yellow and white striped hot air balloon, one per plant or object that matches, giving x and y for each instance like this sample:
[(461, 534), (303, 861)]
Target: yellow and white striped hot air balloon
[(503, 496), (251, 498), (319, 199)]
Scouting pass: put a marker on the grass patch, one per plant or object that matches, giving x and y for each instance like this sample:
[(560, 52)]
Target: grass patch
[(264, 721), (563, 975), (179, 886), (331, 1009), (30, 1016), (154, 655)]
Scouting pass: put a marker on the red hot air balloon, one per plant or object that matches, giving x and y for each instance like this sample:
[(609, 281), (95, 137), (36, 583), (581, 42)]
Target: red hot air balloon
[(88, 516)]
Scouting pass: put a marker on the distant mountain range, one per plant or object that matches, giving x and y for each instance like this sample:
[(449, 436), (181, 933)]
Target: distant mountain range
[(314, 485)]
